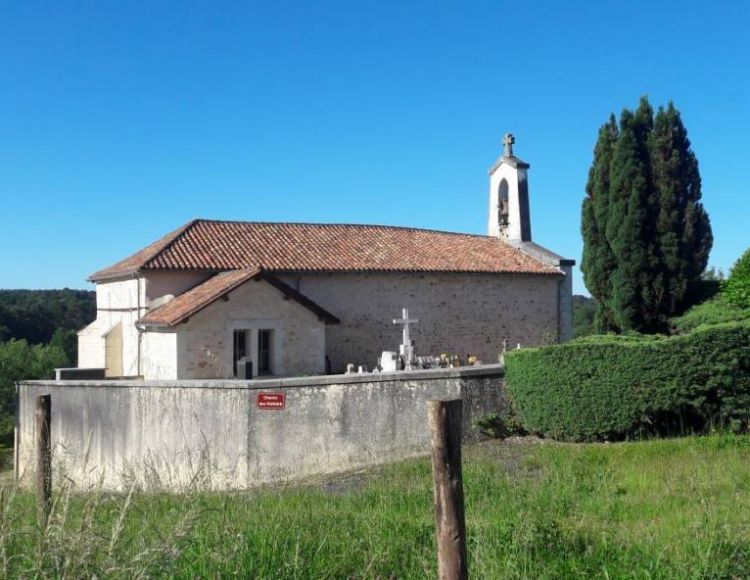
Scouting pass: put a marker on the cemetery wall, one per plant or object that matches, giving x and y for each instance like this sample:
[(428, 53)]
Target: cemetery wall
[(458, 313), (178, 435)]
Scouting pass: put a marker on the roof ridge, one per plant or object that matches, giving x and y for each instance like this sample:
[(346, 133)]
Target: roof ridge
[(341, 224), (176, 235), (215, 245)]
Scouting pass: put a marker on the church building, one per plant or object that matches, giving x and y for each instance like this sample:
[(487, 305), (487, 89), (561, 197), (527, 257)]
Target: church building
[(303, 299)]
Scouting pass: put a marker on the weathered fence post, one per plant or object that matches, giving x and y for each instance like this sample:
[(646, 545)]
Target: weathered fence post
[(43, 458), (444, 418)]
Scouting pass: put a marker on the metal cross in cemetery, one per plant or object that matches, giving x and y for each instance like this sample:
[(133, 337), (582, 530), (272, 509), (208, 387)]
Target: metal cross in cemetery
[(407, 350)]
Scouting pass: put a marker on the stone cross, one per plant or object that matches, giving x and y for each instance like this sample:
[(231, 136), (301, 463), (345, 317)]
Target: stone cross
[(407, 351), (508, 141), (406, 321)]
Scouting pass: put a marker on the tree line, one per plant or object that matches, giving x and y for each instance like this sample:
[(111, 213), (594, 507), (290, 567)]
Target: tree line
[(46, 316), (37, 334)]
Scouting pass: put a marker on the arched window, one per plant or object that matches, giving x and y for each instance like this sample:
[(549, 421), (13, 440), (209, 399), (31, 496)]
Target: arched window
[(502, 203)]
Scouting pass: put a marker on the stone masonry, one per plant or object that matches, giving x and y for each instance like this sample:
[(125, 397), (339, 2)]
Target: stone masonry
[(458, 313)]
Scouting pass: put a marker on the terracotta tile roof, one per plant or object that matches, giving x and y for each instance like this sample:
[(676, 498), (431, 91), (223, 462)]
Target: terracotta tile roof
[(220, 245), (134, 263), (182, 307)]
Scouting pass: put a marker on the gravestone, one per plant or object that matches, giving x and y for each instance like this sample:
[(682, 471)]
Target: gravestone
[(389, 361), (501, 358)]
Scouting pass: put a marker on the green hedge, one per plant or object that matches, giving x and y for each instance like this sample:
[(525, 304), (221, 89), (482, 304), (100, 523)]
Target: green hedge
[(736, 289), (709, 313), (603, 387)]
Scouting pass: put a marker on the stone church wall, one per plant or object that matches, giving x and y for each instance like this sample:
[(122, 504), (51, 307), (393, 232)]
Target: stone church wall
[(205, 342), (159, 355), (118, 301), (458, 313)]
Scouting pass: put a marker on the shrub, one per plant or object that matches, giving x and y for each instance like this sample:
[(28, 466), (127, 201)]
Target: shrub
[(613, 386), (18, 361), (714, 311), (736, 289)]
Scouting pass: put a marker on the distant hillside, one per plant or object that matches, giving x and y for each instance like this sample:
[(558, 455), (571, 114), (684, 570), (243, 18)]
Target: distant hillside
[(584, 310), (35, 315)]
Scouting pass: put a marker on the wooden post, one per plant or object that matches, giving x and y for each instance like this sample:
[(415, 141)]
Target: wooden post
[(43, 458), (444, 418)]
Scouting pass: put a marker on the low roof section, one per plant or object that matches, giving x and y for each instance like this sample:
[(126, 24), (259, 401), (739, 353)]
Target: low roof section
[(216, 246), (181, 308)]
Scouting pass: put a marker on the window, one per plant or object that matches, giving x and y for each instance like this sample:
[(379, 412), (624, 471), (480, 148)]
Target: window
[(264, 352), (503, 209), (240, 348), (254, 345)]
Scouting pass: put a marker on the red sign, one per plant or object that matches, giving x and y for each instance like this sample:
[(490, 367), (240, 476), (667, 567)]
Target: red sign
[(272, 401)]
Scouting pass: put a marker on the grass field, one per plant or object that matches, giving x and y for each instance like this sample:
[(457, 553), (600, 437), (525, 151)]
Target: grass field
[(656, 509)]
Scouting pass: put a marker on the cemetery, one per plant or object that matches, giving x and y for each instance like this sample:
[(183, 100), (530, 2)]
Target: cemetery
[(175, 435)]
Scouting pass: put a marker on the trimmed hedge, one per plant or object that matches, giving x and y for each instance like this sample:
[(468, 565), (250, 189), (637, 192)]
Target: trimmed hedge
[(603, 387)]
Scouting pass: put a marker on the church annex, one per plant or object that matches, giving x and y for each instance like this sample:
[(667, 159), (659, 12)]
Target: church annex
[(300, 299)]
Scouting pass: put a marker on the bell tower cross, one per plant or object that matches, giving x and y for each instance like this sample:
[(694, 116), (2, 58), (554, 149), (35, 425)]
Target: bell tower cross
[(509, 196)]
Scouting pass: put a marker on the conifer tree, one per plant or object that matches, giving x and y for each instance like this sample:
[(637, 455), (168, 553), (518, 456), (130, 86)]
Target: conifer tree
[(598, 260), (646, 234), (682, 226)]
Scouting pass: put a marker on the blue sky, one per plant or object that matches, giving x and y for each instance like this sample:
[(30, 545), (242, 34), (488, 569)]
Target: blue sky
[(121, 121)]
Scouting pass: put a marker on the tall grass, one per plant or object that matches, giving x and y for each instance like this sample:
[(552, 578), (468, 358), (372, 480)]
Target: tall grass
[(654, 509)]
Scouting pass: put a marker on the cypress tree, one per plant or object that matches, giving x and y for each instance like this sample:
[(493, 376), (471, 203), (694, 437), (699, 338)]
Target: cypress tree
[(682, 225), (627, 226), (598, 259), (646, 234)]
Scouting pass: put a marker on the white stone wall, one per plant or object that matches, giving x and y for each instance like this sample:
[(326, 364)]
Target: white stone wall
[(91, 346), (205, 342), (125, 301), (196, 435), (119, 301), (458, 313), (159, 355)]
